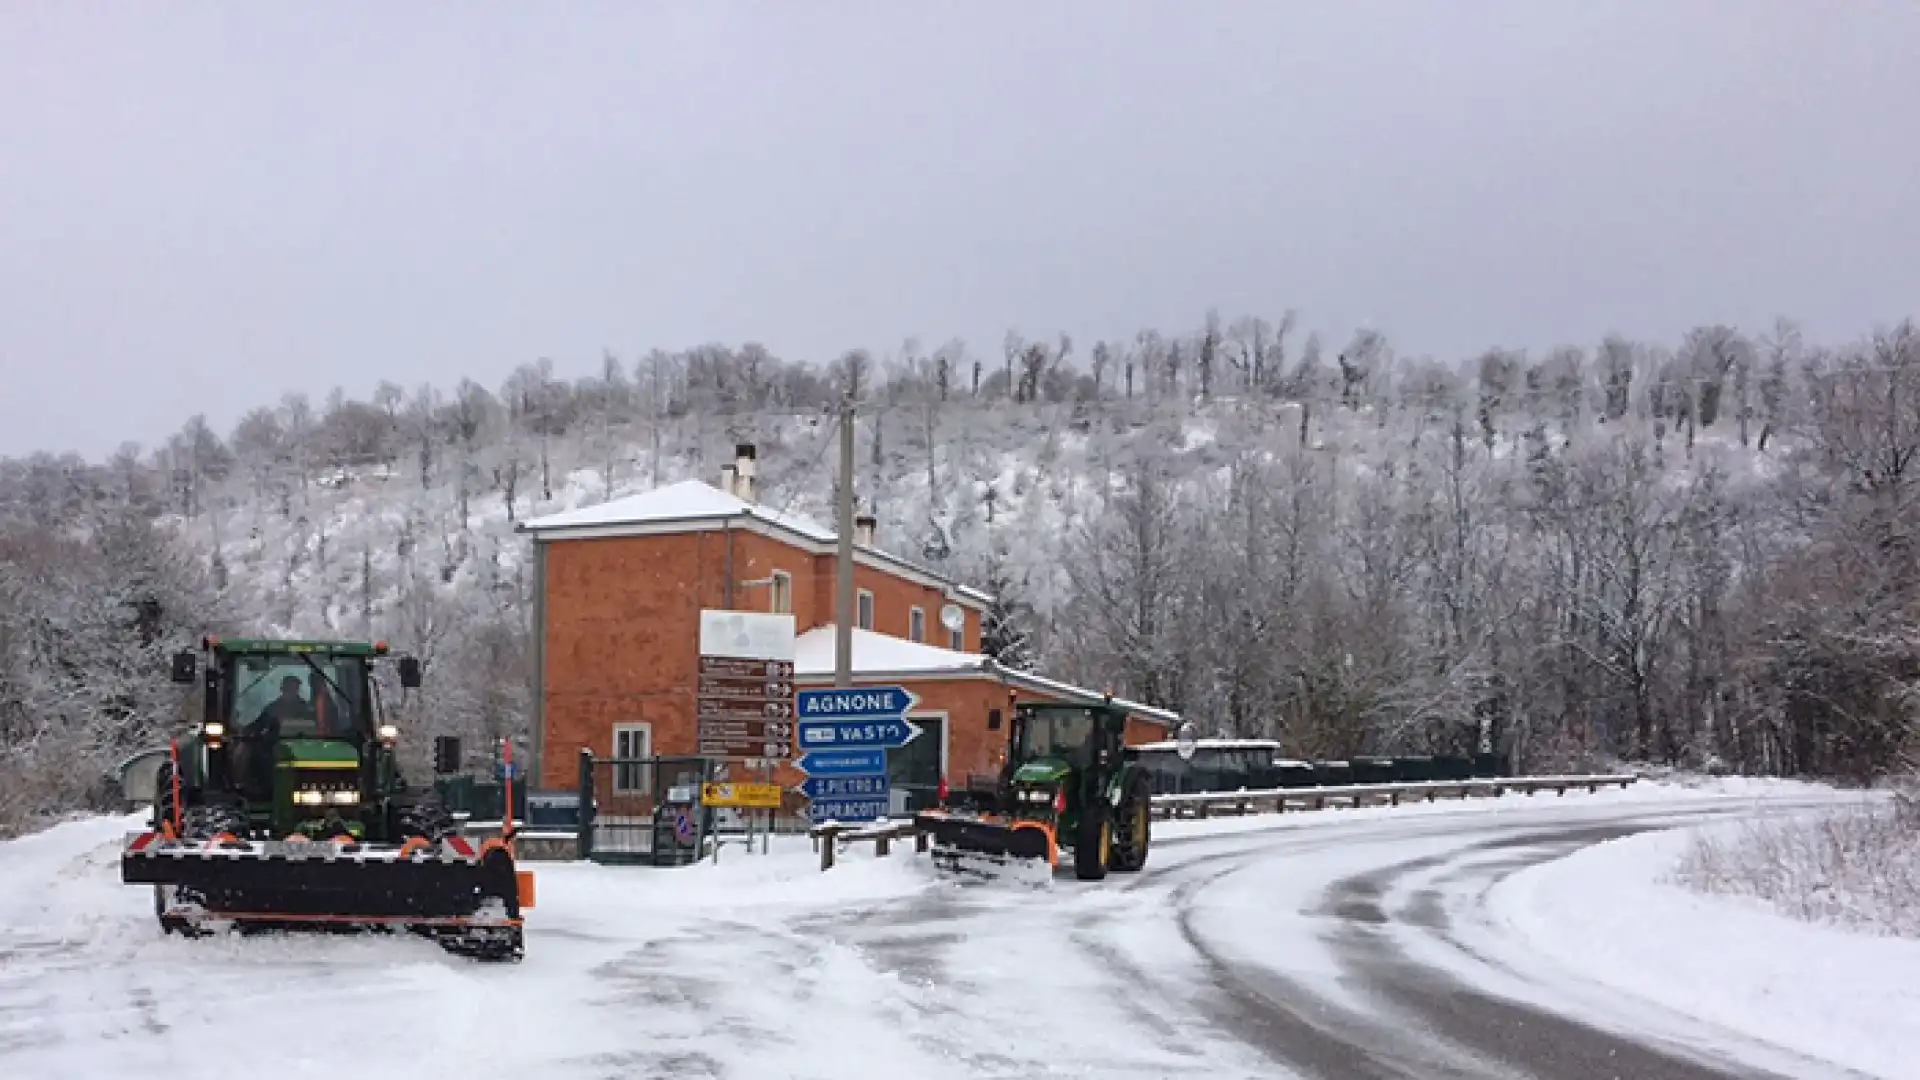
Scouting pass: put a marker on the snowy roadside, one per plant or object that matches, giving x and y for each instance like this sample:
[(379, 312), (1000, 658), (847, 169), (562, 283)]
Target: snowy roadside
[(1607, 914)]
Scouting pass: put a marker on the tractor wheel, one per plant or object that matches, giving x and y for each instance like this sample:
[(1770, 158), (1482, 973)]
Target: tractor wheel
[(428, 820), (1092, 842), (1133, 825), (163, 795), (209, 820), (165, 895)]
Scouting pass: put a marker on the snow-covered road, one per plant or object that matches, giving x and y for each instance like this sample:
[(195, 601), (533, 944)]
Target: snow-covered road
[(1366, 943)]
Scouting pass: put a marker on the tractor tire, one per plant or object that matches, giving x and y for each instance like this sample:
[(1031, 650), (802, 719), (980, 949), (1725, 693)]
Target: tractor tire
[(209, 820), (1133, 825), (1092, 842), (163, 795), (428, 820), (198, 822)]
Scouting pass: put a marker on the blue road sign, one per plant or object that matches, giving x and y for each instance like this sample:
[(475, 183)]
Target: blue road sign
[(865, 702), (844, 762), (885, 734), (845, 787), (848, 810)]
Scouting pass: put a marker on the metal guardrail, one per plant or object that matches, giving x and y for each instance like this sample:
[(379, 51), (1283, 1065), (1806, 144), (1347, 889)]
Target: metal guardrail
[(1200, 803), (829, 839)]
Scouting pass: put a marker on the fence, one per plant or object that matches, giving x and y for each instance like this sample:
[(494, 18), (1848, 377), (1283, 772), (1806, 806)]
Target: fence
[(880, 834), (644, 811), (1199, 804)]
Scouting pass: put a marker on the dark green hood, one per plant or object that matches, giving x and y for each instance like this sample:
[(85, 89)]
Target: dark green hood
[(1043, 771), (317, 754)]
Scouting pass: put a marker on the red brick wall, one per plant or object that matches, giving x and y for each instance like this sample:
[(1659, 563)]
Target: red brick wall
[(757, 557), (893, 597), (622, 641)]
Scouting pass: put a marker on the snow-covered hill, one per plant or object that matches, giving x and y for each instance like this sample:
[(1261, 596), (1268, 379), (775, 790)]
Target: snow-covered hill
[(1679, 555)]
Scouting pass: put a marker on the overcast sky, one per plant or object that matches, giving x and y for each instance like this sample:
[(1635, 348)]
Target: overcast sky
[(203, 206)]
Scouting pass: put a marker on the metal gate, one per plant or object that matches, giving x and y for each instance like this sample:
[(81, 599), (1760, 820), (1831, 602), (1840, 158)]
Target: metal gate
[(645, 811)]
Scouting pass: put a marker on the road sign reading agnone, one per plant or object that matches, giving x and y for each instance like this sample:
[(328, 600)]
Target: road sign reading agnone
[(846, 734)]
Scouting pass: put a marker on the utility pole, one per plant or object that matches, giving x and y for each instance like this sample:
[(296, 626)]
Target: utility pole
[(843, 568)]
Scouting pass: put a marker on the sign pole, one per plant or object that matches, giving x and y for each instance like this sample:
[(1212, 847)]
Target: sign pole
[(843, 599)]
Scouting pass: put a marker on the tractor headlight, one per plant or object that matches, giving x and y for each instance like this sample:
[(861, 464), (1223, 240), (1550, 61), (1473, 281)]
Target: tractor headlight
[(388, 733), (344, 798), (309, 798), (213, 729)]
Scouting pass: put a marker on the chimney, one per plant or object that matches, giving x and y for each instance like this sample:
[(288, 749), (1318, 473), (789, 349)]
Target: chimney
[(727, 482), (743, 468), (863, 530)]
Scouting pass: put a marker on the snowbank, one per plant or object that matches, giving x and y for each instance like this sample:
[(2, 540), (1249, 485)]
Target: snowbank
[(1608, 914)]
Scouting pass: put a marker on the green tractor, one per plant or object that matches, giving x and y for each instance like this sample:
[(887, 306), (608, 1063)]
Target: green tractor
[(1067, 784), (285, 807)]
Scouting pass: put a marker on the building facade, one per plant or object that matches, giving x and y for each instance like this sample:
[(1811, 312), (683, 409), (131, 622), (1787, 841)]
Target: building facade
[(618, 591)]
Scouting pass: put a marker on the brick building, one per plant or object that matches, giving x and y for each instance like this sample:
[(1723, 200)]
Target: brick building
[(618, 590)]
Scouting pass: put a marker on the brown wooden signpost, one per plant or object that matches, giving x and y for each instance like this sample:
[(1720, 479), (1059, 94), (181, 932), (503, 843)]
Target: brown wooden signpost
[(744, 686)]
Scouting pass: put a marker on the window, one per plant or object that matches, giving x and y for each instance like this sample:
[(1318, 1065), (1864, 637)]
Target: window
[(863, 611), (916, 625), (298, 695), (631, 744), (957, 640), (780, 602)]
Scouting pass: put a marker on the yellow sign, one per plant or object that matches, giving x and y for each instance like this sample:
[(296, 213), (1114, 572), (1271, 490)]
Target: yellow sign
[(743, 796)]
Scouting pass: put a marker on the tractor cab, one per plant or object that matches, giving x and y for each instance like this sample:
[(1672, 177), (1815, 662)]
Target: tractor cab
[(1050, 744)]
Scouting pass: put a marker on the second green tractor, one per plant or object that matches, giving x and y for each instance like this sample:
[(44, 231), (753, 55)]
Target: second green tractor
[(1067, 787)]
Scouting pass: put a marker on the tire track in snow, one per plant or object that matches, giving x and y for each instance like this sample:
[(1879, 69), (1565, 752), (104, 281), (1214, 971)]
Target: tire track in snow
[(1537, 1041), (1579, 1047), (1433, 1025)]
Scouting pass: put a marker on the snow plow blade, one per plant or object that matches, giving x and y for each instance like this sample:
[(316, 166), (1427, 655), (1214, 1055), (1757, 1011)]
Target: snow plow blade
[(989, 848), (468, 898)]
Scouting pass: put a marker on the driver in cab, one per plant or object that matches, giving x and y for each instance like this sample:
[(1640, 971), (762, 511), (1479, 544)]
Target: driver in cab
[(258, 736), (288, 706)]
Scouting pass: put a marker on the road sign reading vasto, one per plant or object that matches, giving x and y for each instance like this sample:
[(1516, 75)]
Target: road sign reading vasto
[(743, 693)]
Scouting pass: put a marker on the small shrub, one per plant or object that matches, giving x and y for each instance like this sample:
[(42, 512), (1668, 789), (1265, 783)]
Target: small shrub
[(1857, 868)]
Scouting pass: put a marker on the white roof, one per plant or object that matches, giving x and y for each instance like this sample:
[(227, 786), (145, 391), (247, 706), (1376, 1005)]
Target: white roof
[(1216, 744), (691, 501), (1076, 693), (688, 500), (878, 654)]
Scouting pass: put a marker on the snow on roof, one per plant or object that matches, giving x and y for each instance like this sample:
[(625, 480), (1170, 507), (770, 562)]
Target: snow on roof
[(1045, 685), (878, 654), (688, 500), (1216, 744)]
